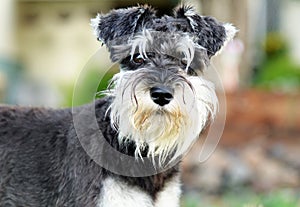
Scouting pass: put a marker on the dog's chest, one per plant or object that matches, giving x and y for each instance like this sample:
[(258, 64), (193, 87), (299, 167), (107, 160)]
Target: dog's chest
[(116, 193)]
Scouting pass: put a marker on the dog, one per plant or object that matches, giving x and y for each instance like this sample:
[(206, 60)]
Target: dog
[(153, 111)]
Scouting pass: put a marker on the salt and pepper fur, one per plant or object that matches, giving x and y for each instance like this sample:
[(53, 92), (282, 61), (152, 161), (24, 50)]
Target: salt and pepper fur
[(167, 131), (42, 159), (209, 33)]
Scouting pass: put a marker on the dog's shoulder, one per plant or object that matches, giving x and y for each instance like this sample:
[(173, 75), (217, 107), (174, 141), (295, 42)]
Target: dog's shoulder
[(16, 121), (20, 125)]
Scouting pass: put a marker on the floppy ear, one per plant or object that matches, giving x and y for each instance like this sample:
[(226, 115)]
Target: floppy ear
[(211, 34), (121, 22)]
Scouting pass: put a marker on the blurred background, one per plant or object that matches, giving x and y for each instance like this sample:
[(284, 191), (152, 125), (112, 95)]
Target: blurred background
[(45, 44)]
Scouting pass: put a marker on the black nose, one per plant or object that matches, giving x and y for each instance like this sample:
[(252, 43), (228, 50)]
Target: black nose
[(161, 95)]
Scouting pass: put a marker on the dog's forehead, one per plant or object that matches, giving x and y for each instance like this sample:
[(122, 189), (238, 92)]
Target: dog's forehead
[(175, 44), (122, 27), (168, 24)]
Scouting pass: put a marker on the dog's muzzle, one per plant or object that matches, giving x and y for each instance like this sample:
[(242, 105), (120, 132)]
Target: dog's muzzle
[(161, 95)]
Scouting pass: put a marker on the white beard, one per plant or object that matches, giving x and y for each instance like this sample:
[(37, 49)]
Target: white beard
[(169, 130)]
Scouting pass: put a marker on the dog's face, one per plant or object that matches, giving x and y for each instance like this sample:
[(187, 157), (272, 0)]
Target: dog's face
[(160, 99)]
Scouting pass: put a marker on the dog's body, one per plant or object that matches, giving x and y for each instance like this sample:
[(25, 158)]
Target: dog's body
[(157, 108), (42, 163)]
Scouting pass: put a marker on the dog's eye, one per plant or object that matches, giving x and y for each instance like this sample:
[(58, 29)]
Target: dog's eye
[(138, 59), (184, 62)]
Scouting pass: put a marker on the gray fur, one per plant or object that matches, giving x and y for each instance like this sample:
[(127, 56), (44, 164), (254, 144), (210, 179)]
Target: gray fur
[(42, 162), (206, 32), (42, 159)]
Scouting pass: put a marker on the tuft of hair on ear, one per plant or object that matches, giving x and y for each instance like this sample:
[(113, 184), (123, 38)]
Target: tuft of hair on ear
[(184, 10), (212, 34), (121, 22)]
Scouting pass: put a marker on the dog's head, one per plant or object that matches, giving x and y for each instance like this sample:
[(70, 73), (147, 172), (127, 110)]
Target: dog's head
[(161, 100)]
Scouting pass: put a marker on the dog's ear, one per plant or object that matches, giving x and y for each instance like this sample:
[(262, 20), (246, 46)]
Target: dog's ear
[(121, 22), (211, 34)]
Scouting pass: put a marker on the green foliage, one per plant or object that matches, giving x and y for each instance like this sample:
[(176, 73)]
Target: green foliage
[(87, 90), (279, 199), (190, 201), (277, 70), (244, 198), (274, 45)]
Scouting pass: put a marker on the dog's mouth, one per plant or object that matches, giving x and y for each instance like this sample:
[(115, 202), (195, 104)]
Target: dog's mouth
[(161, 111), (161, 129), (148, 120)]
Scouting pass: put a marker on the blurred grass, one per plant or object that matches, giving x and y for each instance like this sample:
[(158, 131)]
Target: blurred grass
[(244, 198), (277, 70)]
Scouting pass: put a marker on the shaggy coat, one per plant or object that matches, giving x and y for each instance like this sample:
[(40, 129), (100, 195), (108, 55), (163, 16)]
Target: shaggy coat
[(42, 162)]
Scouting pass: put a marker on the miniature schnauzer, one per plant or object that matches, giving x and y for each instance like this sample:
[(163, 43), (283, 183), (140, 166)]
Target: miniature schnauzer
[(155, 108)]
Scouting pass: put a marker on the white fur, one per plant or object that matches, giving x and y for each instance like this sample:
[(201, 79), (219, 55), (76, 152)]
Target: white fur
[(170, 195), (140, 42), (230, 33), (173, 127), (176, 45), (115, 193), (95, 25)]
